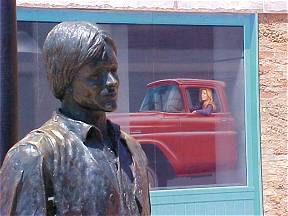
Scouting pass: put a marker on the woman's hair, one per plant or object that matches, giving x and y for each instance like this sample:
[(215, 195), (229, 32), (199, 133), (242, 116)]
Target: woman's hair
[(209, 100), (69, 46)]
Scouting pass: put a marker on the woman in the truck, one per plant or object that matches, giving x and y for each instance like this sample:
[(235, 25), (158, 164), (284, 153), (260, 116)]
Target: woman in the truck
[(207, 104)]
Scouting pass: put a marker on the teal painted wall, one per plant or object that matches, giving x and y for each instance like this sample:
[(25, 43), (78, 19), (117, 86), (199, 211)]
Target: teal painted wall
[(212, 201), (233, 200)]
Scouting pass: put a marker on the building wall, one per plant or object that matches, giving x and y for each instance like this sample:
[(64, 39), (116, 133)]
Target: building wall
[(273, 37), (239, 6)]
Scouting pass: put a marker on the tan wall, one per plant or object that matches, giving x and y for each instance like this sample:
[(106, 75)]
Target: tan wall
[(234, 6), (273, 63)]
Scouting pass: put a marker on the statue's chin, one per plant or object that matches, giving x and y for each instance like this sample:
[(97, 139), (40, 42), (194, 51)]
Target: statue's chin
[(110, 107), (107, 107)]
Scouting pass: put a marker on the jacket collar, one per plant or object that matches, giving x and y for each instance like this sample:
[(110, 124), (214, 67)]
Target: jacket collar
[(81, 129)]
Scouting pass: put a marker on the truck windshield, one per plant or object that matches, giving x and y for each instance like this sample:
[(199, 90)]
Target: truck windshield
[(163, 99)]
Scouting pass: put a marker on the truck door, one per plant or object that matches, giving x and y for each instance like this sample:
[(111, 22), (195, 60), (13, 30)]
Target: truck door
[(203, 136), (172, 107)]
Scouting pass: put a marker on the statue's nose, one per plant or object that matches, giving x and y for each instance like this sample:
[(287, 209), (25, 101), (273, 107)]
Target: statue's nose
[(111, 80)]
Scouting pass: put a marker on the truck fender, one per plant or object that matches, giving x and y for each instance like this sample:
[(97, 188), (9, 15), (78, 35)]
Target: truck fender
[(166, 152)]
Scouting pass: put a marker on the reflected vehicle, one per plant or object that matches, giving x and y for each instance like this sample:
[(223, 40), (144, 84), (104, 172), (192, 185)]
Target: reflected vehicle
[(177, 142)]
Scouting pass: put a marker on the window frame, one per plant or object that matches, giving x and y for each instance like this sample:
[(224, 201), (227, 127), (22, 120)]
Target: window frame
[(249, 22)]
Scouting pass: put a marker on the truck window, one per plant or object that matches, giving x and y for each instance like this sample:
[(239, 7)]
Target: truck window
[(162, 98), (194, 100)]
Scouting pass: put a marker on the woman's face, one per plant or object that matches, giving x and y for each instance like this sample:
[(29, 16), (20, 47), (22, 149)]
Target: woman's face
[(204, 95)]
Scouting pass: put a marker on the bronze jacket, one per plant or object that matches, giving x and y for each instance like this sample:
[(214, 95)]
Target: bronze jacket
[(52, 172)]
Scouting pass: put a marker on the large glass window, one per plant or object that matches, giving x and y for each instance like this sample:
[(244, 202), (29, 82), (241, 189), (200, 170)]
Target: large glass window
[(183, 88)]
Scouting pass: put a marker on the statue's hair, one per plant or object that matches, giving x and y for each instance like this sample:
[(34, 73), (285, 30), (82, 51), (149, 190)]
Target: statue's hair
[(69, 46)]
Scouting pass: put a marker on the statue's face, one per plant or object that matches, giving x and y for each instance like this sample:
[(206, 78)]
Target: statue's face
[(96, 85)]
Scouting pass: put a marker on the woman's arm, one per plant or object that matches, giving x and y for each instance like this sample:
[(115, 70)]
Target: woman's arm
[(194, 108), (205, 111)]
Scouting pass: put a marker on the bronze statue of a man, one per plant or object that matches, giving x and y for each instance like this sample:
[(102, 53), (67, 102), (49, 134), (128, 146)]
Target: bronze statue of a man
[(78, 162)]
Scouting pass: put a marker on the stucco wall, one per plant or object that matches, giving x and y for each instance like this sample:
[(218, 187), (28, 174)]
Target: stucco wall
[(273, 63), (239, 6)]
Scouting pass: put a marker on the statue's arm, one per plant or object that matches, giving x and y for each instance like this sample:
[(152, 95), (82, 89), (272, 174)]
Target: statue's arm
[(22, 186)]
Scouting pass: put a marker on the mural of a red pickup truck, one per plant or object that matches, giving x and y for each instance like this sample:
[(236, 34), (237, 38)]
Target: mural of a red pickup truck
[(177, 141)]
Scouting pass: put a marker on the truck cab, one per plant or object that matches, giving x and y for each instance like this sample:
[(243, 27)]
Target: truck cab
[(177, 141)]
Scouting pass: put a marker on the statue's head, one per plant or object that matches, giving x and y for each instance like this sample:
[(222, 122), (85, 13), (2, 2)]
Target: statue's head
[(80, 61)]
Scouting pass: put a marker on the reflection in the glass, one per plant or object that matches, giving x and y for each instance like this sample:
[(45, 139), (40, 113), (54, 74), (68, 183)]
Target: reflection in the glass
[(165, 69), (181, 143)]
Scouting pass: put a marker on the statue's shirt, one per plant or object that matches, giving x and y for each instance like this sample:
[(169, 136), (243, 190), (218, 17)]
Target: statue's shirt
[(66, 168)]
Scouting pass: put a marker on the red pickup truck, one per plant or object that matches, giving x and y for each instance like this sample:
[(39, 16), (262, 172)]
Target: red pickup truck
[(176, 141)]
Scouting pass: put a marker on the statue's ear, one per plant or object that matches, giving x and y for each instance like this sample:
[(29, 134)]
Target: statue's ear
[(67, 92), (69, 89)]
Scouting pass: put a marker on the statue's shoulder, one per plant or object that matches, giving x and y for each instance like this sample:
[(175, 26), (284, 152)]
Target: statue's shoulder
[(27, 160), (40, 141)]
